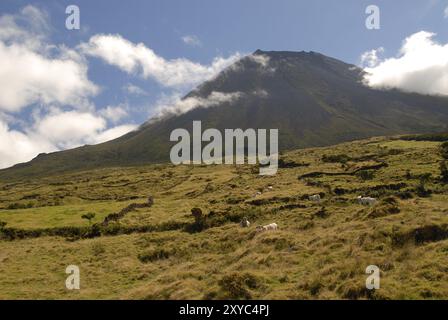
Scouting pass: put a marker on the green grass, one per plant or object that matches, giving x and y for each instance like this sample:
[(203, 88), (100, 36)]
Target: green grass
[(311, 256)]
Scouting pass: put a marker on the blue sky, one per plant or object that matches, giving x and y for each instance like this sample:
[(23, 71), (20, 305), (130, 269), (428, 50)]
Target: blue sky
[(197, 31)]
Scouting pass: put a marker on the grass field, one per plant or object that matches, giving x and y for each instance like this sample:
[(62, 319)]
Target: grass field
[(320, 251)]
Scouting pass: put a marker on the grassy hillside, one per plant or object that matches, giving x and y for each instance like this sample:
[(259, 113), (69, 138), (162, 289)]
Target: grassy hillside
[(158, 252)]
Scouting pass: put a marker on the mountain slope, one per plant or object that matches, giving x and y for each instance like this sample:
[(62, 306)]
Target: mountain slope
[(312, 99)]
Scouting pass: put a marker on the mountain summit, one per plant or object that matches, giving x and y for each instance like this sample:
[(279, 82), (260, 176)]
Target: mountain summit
[(313, 100)]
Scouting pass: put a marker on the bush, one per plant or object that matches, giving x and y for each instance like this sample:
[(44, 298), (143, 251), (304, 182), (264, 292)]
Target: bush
[(427, 137), (341, 158), (421, 188), (154, 255), (365, 174), (444, 150), (237, 286), (88, 216), (340, 191), (408, 174), (15, 206), (199, 223), (383, 210), (92, 232), (404, 195), (443, 172), (322, 213)]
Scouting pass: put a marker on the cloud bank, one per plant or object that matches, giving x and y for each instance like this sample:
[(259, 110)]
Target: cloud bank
[(54, 132), (52, 80), (32, 71), (421, 66), (143, 61), (176, 105)]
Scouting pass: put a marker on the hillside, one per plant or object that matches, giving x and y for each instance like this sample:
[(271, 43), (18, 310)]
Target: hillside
[(314, 100), (156, 251)]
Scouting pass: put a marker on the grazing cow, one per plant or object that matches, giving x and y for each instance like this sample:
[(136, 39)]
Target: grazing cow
[(366, 200), (272, 226), (245, 223), (270, 187), (315, 198), (257, 194)]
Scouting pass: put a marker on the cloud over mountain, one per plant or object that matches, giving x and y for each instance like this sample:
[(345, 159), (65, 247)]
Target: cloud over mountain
[(140, 60), (421, 66)]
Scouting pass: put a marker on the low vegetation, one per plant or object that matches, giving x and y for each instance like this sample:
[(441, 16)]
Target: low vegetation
[(163, 231)]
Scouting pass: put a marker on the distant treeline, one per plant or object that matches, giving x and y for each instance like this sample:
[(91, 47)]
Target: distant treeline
[(427, 137)]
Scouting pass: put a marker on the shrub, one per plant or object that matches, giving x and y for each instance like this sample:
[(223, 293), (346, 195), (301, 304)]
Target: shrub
[(92, 232), (390, 200), (237, 286), (427, 137), (88, 216), (342, 158), (365, 174), (15, 206), (444, 150), (199, 223), (404, 195), (383, 210), (444, 172), (340, 191), (154, 255), (322, 213), (421, 188), (355, 290), (315, 287), (291, 164)]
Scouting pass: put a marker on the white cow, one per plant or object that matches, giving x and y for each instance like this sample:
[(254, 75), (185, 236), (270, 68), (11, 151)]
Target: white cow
[(272, 226), (315, 198), (366, 200)]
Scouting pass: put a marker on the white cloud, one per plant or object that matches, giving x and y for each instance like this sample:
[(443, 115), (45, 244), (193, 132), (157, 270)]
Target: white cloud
[(139, 59), (262, 59), (445, 13), (29, 27), (113, 133), (115, 113), (73, 128), (16, 146), (176, 105), (134, 90), (54, 132), (192, 40), (32, 71), (421, 66), (27, 77), (260, 93), (70, 129), (370, 58)]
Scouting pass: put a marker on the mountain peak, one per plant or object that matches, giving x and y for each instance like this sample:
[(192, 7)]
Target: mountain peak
[(313, 99), (286, 53)]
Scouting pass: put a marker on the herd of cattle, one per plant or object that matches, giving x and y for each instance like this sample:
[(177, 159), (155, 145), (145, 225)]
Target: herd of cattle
[(368, 201)]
